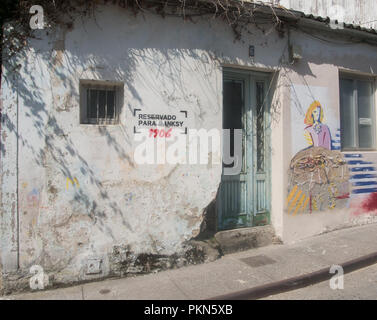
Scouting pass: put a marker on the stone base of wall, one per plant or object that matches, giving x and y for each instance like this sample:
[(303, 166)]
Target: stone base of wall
[(247, 238), (123, 262)]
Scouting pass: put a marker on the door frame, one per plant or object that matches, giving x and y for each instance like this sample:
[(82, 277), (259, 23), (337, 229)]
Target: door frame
[(251, 77)]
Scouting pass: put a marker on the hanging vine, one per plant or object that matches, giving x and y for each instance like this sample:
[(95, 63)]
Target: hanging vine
[(15, 15)]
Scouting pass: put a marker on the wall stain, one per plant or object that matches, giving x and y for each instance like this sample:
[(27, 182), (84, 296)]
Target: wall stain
[(124, 262), (370, 203)]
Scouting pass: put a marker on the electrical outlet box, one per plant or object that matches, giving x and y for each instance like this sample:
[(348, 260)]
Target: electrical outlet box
[(94, 266)]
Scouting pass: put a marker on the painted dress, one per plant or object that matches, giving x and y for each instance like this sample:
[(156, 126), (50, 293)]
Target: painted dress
[(320, 135)]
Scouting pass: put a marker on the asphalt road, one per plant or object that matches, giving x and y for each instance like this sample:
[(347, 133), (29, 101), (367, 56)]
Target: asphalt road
[(358, 285)]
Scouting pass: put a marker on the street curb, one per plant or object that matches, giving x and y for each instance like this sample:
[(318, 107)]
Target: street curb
[(298, 282)]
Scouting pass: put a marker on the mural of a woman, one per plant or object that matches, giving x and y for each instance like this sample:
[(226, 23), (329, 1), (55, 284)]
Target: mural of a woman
[(317, 133), (318, 176)]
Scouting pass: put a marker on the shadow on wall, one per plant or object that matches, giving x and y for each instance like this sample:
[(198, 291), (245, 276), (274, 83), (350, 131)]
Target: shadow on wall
[(208, 228), (168, 67)]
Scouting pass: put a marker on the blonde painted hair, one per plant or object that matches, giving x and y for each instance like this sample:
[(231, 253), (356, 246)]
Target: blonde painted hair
[(309, 117)]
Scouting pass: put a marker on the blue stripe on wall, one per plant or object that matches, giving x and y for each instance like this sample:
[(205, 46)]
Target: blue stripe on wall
[(368, 190), (358, 169), (363, 176), (355, 155), (358, 162), (355, 159), (364, 183)]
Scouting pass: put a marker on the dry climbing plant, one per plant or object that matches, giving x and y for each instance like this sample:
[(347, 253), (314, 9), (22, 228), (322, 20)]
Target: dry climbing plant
[(237, 14)]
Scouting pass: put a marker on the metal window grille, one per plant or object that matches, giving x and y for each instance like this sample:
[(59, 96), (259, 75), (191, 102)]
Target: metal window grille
[(101, 105)]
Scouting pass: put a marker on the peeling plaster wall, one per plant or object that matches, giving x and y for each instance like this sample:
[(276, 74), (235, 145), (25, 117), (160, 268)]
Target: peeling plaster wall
[(80, 193), (75, 193), (9, 134)]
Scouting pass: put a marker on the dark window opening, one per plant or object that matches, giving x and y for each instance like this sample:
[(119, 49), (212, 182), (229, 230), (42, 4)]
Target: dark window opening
[(99, 104)]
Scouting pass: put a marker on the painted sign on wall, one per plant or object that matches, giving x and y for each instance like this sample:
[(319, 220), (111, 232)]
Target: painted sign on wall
[(155, 121)]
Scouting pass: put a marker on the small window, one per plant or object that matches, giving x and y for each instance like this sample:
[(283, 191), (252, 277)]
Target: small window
[(357, 113), (99, 103)]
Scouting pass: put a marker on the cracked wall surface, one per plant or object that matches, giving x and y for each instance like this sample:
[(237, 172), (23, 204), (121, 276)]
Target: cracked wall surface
[(73, 193)]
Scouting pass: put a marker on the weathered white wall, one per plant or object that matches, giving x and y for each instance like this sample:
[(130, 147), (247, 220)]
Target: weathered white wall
[(361, 12), (166, 65)]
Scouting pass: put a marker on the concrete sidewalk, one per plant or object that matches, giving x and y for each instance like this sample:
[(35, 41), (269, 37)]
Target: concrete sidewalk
[(231, 273)]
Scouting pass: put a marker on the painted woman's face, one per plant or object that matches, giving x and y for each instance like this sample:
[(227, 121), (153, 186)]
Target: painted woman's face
[(317, 114)]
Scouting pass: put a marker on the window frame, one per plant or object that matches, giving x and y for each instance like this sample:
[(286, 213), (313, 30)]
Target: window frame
[(85, 86), (354, 78)]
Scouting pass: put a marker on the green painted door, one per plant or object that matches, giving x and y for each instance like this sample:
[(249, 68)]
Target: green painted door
[(243, 200)]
